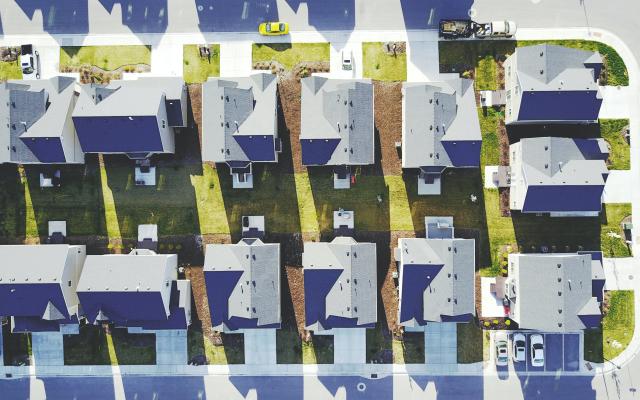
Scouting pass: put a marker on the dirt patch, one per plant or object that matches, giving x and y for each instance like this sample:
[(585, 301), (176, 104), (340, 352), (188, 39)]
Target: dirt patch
[(195, 108), (300, 70), (289, 92), (9, 54), (93, 74), (388, 125)]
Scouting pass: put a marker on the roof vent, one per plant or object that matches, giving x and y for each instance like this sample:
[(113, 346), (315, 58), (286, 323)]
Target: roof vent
[(541, 53), (541, 71)]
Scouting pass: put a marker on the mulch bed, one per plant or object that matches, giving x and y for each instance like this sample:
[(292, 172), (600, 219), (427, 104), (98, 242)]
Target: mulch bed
[(289, 92), (93, 74), (388, 125)]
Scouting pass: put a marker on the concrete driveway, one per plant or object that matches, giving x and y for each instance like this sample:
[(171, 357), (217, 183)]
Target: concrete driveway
[(349, 345), (260, 346)]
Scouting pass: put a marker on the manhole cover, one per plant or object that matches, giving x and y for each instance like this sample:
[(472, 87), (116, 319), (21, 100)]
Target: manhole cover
[(630, 277), (361, 387)]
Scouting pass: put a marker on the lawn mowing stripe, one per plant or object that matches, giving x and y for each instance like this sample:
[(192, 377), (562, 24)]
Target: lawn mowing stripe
[(306, 204), (399, 210), (110, 213)]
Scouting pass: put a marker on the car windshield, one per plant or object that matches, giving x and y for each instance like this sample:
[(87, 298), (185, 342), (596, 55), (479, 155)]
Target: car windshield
[(537, 346), (502, 359), (520, 343), (281, 27), (27, 70)]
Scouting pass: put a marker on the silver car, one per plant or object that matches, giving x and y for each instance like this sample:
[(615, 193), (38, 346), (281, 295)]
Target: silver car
[(502, 349)]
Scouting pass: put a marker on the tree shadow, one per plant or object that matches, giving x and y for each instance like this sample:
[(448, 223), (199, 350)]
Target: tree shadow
[(59, 17), (469, 217), (235, 16)]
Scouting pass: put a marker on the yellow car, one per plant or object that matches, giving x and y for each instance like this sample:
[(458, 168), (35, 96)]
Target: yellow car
[(273, 28)]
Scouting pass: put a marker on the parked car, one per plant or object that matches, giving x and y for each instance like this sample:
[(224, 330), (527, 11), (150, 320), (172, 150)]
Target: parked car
[(502, 352), (347, 60), (495, 29), (273, 28), (29, 62), (519, 347), (537, 350)]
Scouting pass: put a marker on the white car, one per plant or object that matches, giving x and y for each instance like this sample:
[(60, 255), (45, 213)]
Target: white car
[(347, 60), (519, 349), (502, 349), (29, 62), (537, 350)]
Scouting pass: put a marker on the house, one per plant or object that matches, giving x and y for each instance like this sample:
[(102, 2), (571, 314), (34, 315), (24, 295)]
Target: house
[(440, 129), (548, 83), (243, 285), (35, 117), (240, 124), (340, 284), (132, 117), (139, 291), (436, 276), (337, 125), (38, 286), (555, 292), (558, 176)]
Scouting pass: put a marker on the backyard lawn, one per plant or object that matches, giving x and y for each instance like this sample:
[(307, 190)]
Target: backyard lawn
[(107, 58), (614, 336), (10, 70), (489, 123), (290, 54), (381, 65), (197, 69), (620, 153)]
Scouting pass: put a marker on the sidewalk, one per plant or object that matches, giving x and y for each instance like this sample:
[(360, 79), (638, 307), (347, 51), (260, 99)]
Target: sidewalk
[(616, 189)]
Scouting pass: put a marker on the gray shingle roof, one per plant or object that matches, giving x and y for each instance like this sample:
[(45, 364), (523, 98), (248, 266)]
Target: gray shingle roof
[(141, 270), (551, 67), (559, 161), (550, 291), (436, 112), (141, 96), (30, 109), (250, 102), (354, 294), (257, 293), (35, 263), (452, 290), (341, 109)]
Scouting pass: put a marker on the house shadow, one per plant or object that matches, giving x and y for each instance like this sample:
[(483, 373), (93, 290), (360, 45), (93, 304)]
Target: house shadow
[(77, 201), (462, 197), (59, 16), (12, 205), (87, 387), (173, 387), (235, 16), (578, 131), (19, 388), (559, 387), (428, 13), (451, 387), (269, 387), (141, 16), (327, 15), (536, 234), (357, 387)]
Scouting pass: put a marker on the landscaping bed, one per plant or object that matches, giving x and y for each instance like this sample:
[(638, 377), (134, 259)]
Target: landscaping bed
[(101, 64), (384, 61), (289, 55), (388, 126), (200, 62), (10, 63)]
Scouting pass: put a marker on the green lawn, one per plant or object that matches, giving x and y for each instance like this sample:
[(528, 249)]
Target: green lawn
[(470, 342), (290, 54), (489, 121), (288, 346), (409, 350), (486, 74), (620, 153), (108, 58), (611, 218), (10, 70), (380, 65), (16, 347), (613, 337), (617, 74), (230, 352), (319, 350), (90, 347), (197, 69)]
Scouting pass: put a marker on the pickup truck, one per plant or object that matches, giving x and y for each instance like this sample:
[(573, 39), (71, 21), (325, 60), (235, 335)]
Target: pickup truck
[(29, 62), (466, 28)]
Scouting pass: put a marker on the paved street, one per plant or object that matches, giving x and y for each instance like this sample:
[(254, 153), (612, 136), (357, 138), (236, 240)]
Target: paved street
[(342, 22)]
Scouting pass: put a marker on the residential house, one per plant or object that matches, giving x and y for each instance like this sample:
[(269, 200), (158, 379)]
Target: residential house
[(240, 124), (35, 116), (337, 125), (548, 83), (132, 117), (340, 284), (440, 129), (139, 291), (436, 276), (38, 286), (243, 285), (555, 292), (558, 176)]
